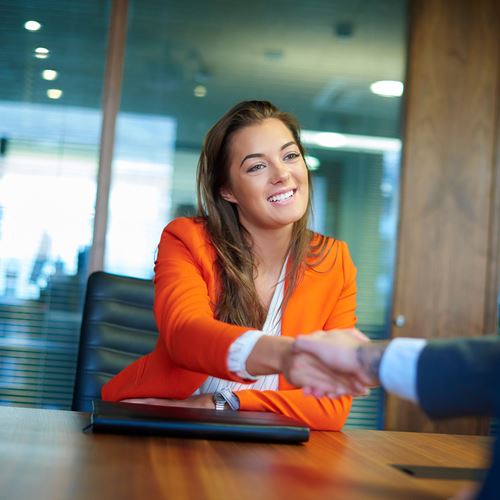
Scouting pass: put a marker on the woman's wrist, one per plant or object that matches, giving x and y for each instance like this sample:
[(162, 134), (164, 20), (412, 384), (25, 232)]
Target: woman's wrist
[(269, 355)]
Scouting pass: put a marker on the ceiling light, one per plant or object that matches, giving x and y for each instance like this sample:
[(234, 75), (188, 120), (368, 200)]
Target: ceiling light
[(32, 25), (350, 142), (323, 139), (49, 74), (41, 53), (200, 91), (387, 88), (312, 162), (54, 93)]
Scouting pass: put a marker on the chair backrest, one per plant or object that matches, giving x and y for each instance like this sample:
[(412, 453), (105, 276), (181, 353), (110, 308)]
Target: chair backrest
[(118, 327)]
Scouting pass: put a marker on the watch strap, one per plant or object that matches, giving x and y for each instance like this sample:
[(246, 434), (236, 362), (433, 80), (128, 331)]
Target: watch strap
[(231, 399)]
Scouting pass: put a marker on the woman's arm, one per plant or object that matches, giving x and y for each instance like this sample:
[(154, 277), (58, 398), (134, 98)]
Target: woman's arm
[(185, 288), (318, 413)]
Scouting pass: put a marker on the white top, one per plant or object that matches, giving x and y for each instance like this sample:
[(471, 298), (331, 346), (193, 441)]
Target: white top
[(398, 367), (241, 348)]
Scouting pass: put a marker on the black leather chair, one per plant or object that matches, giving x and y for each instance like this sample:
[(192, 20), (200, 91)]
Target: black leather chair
[(118, 327)]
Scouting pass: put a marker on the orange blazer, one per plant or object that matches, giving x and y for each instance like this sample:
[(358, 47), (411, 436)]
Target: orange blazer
[(192, 344)]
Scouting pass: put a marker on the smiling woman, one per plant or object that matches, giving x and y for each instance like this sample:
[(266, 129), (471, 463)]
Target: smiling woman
[(237, 283)]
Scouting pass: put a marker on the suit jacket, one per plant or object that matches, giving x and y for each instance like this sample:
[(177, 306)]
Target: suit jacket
[(462, 377), (192, 344)]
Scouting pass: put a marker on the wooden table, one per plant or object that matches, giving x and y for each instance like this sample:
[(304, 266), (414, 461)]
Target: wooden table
[(45, 455)]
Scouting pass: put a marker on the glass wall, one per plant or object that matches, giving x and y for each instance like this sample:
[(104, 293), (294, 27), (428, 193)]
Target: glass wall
[(188, 62), (52, 59)]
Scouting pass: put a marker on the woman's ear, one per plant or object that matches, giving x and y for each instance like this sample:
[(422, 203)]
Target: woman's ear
[(226, 193)]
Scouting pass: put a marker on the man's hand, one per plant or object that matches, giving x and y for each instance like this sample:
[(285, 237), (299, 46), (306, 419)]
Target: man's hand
[(306, 370), (350, 361)]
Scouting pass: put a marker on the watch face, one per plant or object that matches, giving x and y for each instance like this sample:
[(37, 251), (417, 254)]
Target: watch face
[(219, 401), (218, 398)]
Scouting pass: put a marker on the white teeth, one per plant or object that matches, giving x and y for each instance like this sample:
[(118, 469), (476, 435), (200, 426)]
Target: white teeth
[(282, 196)]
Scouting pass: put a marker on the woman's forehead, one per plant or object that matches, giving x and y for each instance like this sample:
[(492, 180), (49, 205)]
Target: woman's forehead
[(268, 133)]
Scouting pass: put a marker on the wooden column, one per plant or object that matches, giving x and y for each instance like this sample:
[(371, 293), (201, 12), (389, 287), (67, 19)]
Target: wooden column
[(448, 252), (110, 104)]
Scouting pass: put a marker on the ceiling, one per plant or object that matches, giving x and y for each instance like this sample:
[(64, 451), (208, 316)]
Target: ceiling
[(315, 58)]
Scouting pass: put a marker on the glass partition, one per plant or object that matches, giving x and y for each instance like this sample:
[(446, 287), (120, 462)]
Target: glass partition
[(52, 58)]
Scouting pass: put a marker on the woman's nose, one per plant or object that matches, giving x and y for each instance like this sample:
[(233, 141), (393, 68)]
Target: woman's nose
[(280, 173)]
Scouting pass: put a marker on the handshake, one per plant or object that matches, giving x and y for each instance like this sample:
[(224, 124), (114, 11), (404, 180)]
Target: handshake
[(334, 363)]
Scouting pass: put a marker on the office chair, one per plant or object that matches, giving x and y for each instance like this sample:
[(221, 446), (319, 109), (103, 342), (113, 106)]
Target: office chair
[(118, 327)]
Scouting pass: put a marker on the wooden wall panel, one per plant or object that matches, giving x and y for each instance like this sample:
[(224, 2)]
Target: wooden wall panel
[(448, 225)]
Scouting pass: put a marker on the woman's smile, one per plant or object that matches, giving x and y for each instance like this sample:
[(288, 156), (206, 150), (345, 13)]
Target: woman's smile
[(282, 197)]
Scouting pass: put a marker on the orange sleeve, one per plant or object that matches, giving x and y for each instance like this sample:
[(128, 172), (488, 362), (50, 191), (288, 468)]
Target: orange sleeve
[(194, 339), (321, 414)]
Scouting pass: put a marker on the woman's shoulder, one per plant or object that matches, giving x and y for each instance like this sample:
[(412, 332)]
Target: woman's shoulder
[(182, 224), (328, 253), (190, 230)]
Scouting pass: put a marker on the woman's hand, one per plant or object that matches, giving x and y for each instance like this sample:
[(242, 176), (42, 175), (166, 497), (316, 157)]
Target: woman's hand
[(200, 401)]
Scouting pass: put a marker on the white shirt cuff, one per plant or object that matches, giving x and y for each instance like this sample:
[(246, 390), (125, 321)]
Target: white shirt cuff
[(398, 367), (239, 351)]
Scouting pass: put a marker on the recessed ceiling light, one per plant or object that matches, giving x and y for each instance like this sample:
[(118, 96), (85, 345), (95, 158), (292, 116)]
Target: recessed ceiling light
[(54, 93), (41, 53), (32, 25), (49, 74), (387, 88), (200, 91)]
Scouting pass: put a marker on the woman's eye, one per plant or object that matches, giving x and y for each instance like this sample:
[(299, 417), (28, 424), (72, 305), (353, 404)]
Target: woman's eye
[(255, 168), (291, 156)]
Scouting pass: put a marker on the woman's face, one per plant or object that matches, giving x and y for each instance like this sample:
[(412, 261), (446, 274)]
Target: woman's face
[(267, 176)]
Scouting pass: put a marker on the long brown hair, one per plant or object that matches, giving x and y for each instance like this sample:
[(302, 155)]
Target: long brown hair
[(237, 301)]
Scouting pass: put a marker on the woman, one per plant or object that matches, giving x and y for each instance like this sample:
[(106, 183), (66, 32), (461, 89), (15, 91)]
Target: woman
[(235, 285)]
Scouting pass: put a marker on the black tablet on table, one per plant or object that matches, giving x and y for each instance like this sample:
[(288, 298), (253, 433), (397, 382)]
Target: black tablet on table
[(131, 418)]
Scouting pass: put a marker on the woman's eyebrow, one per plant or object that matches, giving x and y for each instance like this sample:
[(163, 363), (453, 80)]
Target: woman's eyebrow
[(253, 155), (260, 155)]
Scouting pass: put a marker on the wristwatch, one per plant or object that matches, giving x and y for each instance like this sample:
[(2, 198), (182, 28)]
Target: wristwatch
[(226, 396)]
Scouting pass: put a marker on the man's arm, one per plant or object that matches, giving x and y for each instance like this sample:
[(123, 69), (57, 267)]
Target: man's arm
[(347, 352), (460, 377)]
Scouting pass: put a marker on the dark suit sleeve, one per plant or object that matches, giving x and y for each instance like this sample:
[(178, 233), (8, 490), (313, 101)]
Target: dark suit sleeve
[(459, 377)]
